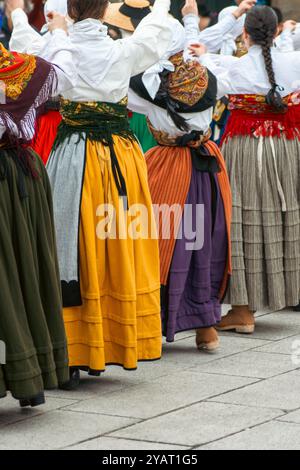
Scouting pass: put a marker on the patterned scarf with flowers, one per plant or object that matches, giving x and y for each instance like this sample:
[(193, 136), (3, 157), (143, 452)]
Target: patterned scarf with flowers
[(25, 83)]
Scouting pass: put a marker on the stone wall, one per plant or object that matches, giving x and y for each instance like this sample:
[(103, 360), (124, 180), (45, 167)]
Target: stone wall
[(291, 8)]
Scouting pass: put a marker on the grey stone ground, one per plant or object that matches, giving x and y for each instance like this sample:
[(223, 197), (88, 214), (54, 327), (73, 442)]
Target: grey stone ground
[(245, 396)]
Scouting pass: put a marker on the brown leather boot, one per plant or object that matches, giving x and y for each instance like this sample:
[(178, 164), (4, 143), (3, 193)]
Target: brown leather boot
[(240, 319), (207, 339)]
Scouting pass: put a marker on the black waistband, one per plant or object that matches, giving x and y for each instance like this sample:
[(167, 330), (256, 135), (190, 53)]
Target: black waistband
[(103, 132), (52, 105), (203, 161)]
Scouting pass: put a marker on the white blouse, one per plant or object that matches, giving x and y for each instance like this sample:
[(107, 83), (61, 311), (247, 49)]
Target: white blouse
[(213, 36), (248, 74), (289, 40), (159, 117), (106, 66), (161, 121)]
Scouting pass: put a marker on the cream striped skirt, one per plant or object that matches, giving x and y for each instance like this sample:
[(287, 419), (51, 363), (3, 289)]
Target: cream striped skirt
[(265, 179)]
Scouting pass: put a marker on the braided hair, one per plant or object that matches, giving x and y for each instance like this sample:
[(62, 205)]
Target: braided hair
[(261, 25)]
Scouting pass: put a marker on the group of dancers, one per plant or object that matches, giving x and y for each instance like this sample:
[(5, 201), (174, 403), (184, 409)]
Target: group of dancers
[(79, 99)]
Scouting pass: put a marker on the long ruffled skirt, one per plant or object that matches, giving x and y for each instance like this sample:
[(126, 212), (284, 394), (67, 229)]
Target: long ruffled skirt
[(119, 319), (265, 180), (31, 323)]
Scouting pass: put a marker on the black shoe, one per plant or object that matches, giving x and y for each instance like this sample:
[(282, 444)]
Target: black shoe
[(35, 401), (297, 308), (74, 380)]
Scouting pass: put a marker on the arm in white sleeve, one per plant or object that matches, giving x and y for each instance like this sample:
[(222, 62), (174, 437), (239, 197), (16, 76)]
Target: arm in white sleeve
[(150, 40), (284, 42), (24, 38), (213, 36), (221, 69), (192, 31), (219, 63), (62, 55)]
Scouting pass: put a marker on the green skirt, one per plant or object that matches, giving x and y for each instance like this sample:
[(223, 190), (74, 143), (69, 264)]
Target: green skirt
[(31, 323), (139, 126)]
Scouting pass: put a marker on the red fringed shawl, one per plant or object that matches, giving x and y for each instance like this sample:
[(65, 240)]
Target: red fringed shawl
[(252, 116), (26, 84)]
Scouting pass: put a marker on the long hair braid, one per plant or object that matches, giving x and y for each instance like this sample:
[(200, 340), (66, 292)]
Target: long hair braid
[(261, 25)]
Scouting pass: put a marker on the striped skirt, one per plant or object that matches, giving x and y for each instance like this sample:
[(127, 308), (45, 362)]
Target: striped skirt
[(264, 175)]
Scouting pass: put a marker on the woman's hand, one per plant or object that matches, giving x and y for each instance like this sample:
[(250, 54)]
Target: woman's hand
[(244, 7), (289, 25), (11, 5), (190, 8), (197, 50), (57, 21)]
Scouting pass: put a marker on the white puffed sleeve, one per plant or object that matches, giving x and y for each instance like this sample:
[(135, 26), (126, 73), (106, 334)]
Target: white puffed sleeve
[(212, 37), (150, 40), (24, 38), (221, 67), (61, 54)]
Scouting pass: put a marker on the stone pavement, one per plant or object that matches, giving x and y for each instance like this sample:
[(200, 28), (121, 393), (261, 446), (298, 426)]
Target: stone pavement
[(246, 396)]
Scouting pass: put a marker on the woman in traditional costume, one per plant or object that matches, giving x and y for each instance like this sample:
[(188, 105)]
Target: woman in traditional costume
[(31, 322), (25, 39), (262, 150), (186, 171), (110, 281), (224, 38), (127, 16)]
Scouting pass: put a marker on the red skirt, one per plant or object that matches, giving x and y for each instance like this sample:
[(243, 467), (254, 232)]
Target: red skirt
[(45, 136)]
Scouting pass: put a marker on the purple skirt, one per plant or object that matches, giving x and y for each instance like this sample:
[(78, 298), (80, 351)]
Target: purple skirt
[(190, 299)]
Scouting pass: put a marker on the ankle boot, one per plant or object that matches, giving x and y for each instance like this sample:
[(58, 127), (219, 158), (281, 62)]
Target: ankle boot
[(35, 401), (74, 381), (240, 319), (207, 339)]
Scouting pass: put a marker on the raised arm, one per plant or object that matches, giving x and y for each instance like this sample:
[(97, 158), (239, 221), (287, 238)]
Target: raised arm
[(150, 40), (24, 38), (213, 36)]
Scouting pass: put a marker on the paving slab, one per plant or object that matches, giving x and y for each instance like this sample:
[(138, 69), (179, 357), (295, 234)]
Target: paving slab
[(278, 325), (281, 392), (274, 435), (185, 352), (161, 395), (197, 424), (293, 417), (289, 346), (250, 364), (59, 429), (245, 394), (116, 378), (11, 412), (110, 443)]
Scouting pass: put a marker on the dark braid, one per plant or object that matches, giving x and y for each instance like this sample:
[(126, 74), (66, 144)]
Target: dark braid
[(261, 25)]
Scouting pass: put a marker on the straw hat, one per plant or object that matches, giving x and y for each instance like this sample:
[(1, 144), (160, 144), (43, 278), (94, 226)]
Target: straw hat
[(127, 15)]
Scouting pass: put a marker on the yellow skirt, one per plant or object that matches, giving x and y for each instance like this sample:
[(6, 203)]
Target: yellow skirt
[(119, 321)]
